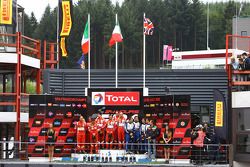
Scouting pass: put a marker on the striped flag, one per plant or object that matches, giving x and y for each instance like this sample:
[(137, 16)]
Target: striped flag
[(85, 40), (148, 26), (116, 35)]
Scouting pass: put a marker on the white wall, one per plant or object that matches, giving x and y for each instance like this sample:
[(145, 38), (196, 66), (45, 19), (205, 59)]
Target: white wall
[(241, 99), (11, 117)]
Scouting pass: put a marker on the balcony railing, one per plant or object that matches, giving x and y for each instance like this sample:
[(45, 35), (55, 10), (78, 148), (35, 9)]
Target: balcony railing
[(28, 46), (8, 102)]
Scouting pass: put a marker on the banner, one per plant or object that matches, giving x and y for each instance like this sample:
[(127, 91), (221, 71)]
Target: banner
[(219, 114), (66, 18), (6, 12), (170, 52), (63, 47), (165, 49), (173, 110), (60, 111)]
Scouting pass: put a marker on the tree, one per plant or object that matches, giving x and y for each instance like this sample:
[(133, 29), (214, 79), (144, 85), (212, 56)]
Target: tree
[(181, 24)]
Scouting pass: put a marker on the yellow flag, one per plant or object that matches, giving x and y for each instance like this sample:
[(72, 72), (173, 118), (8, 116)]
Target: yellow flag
[(6, 12), (66, 19), (219, 114), (63, 47)]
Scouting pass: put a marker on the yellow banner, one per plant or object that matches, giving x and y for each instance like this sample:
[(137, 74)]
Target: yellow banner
[(63, 47), (219, 114), (66, 19), (6, 12)]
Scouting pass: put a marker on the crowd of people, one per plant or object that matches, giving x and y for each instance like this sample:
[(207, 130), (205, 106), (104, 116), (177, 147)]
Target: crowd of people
[(204, 144), (119, 132), (242, 62)]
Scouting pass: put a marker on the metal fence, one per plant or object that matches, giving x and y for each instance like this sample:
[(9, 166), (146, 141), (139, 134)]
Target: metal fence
[(129, 153)]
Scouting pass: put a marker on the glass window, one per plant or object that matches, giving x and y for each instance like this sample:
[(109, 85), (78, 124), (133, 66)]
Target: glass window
[(243, 143), (243, 33), (243, 119), (205, 114)]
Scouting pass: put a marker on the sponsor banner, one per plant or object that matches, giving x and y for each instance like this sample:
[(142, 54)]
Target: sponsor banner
[(116, 98), (63, 47), (219, 114), (6, 12), (62, 112), (66, 17), (174, 111)]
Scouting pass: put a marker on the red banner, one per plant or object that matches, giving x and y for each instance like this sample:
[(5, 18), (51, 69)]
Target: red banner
[(116, 98)]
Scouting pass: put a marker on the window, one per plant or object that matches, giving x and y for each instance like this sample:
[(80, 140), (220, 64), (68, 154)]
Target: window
[(205, 114), (243, 130), (243, 33)]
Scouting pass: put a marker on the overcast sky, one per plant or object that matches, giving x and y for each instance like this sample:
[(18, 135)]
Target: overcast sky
[(38, 6)]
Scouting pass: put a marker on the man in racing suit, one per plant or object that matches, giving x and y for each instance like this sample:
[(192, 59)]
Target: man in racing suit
[(100, 122), (120, 130), (81, 134), (93, 136), (110, 132)]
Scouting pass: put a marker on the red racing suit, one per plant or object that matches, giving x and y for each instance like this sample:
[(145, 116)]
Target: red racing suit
[(100, 122), (93, 137), (121, 131), (115, 119), (81, 135), (110, 133)]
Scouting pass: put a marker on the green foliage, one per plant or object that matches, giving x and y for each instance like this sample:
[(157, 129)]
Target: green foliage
[(181, 23)]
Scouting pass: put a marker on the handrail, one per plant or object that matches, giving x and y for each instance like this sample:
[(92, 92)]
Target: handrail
[(30, 45), (12, 94), (240, 71), (31, 39), (7, 44), (11, 35), (29, 48)]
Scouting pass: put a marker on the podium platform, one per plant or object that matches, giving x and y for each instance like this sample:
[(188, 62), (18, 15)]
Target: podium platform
[(110, 156)]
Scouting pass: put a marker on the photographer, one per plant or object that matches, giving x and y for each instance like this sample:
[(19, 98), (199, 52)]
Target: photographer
[(198, 144)]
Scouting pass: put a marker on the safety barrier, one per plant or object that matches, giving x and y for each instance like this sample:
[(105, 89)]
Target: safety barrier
[(134, 153)]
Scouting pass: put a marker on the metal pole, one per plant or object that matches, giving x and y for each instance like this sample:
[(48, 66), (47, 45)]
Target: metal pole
[(207, 25), (236, 26), (18, 91), (116, 57), (144, 50), (57, 37), (89, 51)]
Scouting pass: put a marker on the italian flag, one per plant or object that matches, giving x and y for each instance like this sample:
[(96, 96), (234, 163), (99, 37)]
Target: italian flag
[(116, 36), (85, 39)]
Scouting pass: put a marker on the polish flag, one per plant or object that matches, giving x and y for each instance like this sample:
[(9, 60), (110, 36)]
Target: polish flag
[(116, 36)]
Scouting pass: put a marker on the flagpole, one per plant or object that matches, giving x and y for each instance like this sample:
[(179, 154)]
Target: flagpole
[(116, 57), (207, 25), (144, 64), (57, 35), (89, 51)]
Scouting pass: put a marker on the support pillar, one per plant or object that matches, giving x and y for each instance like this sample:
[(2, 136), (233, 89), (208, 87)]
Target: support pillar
[(18, 90), (38, 81)]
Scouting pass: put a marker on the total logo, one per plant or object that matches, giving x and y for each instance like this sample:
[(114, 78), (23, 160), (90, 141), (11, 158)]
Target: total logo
[(98, 98), (116, 98)]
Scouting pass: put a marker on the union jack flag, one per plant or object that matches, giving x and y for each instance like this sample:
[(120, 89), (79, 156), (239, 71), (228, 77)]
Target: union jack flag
[(148, 27)]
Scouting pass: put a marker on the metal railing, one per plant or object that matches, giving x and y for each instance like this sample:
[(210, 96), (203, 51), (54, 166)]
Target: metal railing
[(29, 46), (8, 102), (136, 153)]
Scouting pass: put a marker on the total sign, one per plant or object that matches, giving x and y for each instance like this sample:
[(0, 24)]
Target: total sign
[(115, 98)]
